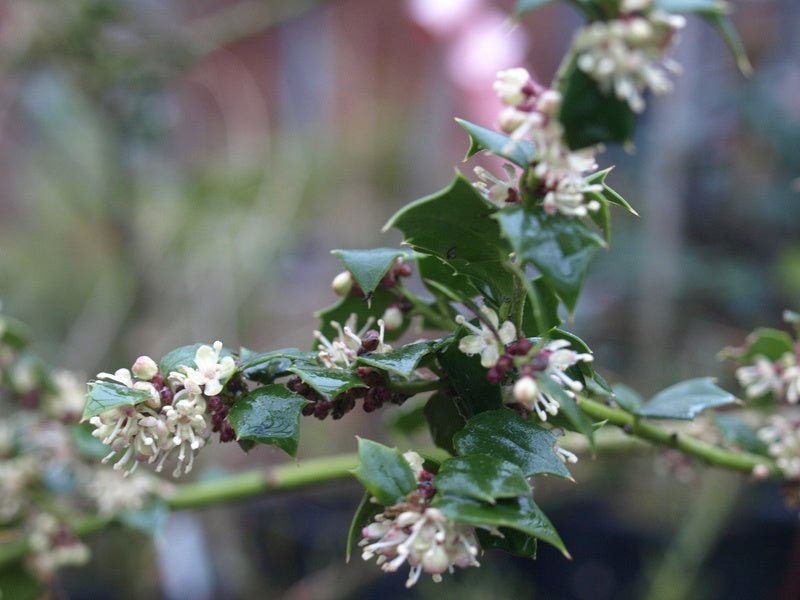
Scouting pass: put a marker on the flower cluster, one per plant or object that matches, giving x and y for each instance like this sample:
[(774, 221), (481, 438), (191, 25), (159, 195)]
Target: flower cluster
[(782, 436), (415, 533), (552, 361), (781, 378), (342, 352), (53, 546), (172, 420), (629, 55), (532, 112)]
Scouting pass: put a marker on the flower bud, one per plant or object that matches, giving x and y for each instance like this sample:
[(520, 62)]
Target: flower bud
[(525, 390), (342, 283), (145, 368), (510, 86), (436, 560), (393, 318)]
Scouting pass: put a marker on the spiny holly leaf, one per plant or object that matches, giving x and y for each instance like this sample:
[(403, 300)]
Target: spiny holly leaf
[(455, 225), (381, 300), (368, 267), (736, 431), (541, 308), (686, 400), (444, 420), (611, 195), (526, 6), (106, 395), (627, 398), (384, 472), (468, 379), (183, 356), (269, 415), (402, 362), (363, 516), (328, 382), (482, 477), (520, 153), (504, 434), (559, 247), (576, 418), (591, 117), (264, 367), (521, 514)]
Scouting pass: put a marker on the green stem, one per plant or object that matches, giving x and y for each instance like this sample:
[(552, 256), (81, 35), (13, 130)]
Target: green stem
[(223, 489), (713, 455), (415, 387)]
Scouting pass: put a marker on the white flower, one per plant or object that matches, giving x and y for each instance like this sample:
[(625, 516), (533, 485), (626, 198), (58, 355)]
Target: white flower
[(568, 198), (188, 427), (790, 377), (489, 340), (760, 378), (392, 318), (211, 374), (422, 537), (513, 86), (69, 397), (15, 475), (53, 546), (553, 361), (342, 283), (113, 493), (415, 461), (627, 57), (145, 368), (629, 6), (343, 350), (495, 190), (782, 436)]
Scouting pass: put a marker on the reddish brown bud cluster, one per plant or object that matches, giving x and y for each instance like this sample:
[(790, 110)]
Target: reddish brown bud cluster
[(505, 363), (373, 397), (219, 419)]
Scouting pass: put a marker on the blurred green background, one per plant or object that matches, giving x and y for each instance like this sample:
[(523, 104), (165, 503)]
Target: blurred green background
[(177, 171)]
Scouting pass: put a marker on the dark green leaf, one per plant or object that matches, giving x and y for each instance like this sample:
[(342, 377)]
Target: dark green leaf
[(736, 431), (504, 434), (264, 367), (444, 420), (328, 382), (269, 415), (13, 333), (468, 379), (521, 514), (368, 267), (686, 400), (526, 6), (559, 247), (105, 395), (183, 356), (499, 144), (455, 225), (591, 117), (602, 216), (402, 362), (541, 309), (482, 477), (609, 193), (514, 542), (627, 398), (363, 516), (384, 472), (17, 584), (576, 418)]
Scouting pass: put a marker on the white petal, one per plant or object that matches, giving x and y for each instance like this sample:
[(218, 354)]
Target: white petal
[(471, 344)]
